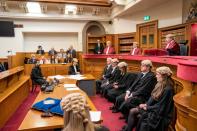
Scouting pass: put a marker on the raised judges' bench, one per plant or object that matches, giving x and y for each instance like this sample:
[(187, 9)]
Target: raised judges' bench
[(33, 119), (186, 93), (14, 88)]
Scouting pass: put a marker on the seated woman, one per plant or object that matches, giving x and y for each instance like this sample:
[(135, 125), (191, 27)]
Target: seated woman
[(74, 68), (172, 47), (156, 114), (36, 75), (77, 115), (109, 49), (32, 60), (135, 50)]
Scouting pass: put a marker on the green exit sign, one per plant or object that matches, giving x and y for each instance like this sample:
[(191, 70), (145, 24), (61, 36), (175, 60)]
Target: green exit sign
[(146, 18)]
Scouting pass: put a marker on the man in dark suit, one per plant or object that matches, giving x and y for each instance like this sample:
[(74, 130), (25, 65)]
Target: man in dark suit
[(74, 68), (2, 67), (114, 75), (98, 48), (122, 84), (40, 51), (36, 75), (105, 75), (32, 60), (139, 92), (52, 52), (72, 52)]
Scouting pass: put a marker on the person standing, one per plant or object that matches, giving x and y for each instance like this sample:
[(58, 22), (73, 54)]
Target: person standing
[(98, 48)]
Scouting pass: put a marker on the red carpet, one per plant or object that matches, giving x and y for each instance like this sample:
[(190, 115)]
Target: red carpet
[(110, 119), (14, 122)]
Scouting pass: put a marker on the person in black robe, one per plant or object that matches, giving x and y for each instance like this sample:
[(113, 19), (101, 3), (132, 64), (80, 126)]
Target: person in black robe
[(2, 67), (122, 83), (74, 69), (156, 114), (36, 75), (40, 51), (105, 75), (139, 92), (114, 76)]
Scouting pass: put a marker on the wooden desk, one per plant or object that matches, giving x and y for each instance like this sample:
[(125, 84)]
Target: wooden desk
[(14, 88), (49, 69), (33, 119)]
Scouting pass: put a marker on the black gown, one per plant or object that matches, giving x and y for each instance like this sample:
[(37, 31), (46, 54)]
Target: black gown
[(159, 112), (124, 83), (36, 76)]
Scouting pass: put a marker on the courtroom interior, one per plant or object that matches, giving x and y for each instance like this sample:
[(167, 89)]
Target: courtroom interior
[(98, 65)]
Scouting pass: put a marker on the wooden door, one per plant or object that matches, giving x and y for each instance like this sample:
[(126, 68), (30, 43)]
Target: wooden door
[(147, 35)]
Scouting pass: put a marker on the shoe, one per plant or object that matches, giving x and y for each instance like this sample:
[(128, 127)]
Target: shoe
[(121, 117), (112, 108), (115, 111)]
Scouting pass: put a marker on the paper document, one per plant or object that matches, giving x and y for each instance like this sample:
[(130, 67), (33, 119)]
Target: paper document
[(57, 77), (95, 116), (72, 89), (76, 77), (69, 85)]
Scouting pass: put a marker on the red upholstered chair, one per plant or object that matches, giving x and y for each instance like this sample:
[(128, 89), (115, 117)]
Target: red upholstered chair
[(155, 52)]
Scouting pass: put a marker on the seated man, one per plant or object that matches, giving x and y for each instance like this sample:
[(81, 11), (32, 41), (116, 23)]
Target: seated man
[(156, 114), (32, 60), (114, 75), (74, 68), (40, 51), (139, 92), (36, 75), (105, 75), (52, 52), (135, 50), (109, 49), (123, 83), (172, 47)]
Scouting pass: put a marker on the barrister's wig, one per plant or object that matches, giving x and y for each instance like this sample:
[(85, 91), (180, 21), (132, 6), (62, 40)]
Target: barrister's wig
[(164, 70), (109, 59), (147, 63), (115, 60), (75, 60), (122, 64), (76, 113)]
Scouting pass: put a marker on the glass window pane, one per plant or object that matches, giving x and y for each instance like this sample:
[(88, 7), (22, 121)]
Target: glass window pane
[(144, 39), (151, 39)]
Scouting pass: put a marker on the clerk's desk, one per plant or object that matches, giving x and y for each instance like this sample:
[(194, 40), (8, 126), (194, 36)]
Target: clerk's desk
[(33, 119)]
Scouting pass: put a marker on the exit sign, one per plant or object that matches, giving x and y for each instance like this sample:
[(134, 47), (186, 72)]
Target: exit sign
[(146, 18)]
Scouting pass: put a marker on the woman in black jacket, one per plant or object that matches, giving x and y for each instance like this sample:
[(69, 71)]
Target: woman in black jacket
[(156, 114)]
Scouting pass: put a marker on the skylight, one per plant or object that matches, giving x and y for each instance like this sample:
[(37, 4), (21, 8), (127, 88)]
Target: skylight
[(33, 7)]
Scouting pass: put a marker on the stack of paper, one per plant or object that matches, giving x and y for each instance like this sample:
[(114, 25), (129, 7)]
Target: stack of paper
[(95, 116), (69, 85), (76, 77), (59, 77)]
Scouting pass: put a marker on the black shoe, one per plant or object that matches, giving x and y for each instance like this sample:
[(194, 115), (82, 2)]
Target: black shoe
[(115, 111), (121, 117), (112, 108)]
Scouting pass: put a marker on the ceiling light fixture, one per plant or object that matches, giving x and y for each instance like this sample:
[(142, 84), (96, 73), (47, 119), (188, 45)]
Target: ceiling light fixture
[(33, 7), (70, 9)]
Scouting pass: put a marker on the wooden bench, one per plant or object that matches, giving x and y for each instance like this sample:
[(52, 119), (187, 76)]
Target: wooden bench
[(14, 88)]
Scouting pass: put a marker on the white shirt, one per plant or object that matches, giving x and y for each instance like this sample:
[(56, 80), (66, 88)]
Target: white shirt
[(107, 50), (133, 52)]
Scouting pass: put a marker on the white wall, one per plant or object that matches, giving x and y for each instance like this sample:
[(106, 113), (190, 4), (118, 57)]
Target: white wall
[(48, 40), (169, 13), (18, 43)]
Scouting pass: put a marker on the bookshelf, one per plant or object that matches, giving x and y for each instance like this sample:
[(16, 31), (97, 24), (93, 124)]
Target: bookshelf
[(92, 41), (125, 41), (179, 32)]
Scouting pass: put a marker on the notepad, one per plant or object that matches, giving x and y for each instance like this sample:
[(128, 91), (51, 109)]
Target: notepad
[(95, 116), (69, 85), (72, 88)]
